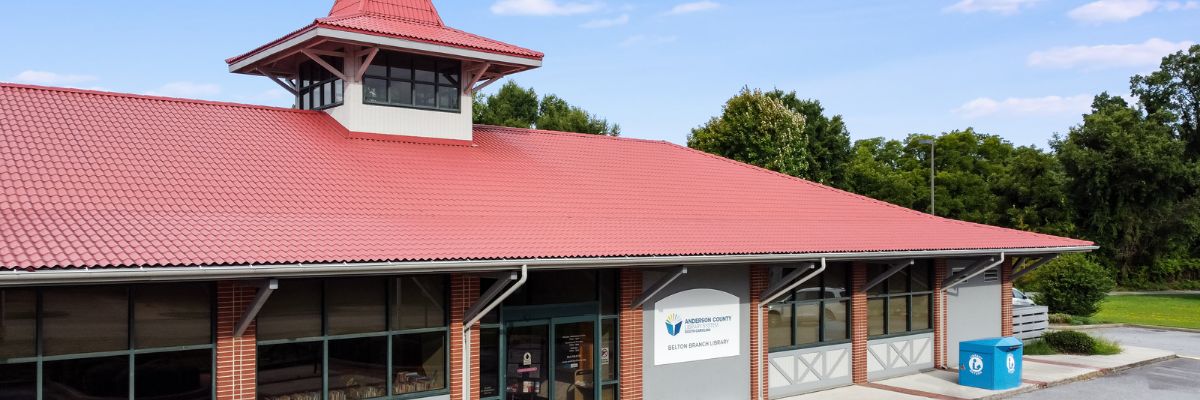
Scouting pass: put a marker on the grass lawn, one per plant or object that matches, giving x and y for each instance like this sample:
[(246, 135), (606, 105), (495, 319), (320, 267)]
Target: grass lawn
[(1180, 311)]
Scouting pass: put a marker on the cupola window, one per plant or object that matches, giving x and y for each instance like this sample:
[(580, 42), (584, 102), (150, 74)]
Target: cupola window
[(319, 88), (404, 80)]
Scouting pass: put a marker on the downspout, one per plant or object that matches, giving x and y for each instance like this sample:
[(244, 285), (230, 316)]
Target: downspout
[(466, 350), (762, 320)]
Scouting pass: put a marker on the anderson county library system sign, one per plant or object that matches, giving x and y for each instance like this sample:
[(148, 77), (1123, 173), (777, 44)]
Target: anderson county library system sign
[(694, 325)]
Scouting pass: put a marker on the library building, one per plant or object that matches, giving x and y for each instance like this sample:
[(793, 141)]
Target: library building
[(371, 242)]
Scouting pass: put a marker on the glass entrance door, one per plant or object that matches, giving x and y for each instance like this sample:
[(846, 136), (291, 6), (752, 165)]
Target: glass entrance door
[(529, 374)]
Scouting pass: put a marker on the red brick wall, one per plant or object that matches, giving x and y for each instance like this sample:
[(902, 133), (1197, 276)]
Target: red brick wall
[(464, 291), (1006, 309), (940, 269), (236, 357), (759, 279), (630, 337), (858, 321)]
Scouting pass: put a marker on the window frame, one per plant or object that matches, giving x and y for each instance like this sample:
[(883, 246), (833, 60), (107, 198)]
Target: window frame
[(792, 302), (389, 333), (308, 67), (130, 353), (386, 57), (908, 294)]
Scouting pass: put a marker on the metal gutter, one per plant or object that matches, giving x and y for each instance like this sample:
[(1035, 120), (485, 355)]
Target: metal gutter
[(199, 273), (485, 306)]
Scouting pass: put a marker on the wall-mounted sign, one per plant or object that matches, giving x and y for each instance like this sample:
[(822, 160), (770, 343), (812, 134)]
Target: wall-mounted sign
[(698, 324)]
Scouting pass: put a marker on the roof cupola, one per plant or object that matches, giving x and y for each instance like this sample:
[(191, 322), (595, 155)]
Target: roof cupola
[(389, 67)]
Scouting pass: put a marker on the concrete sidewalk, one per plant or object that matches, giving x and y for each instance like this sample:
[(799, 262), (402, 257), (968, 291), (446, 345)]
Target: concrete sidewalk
[(1039, 372)]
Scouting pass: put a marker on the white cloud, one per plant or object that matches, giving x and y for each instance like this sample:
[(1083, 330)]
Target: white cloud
[(1149, 53), (639, 40), (544, 7), (1102, 11), (51, 78), (1025, 106), (1112, 10), (1006, 7), (607, 22), (187, 90), (687, 8)]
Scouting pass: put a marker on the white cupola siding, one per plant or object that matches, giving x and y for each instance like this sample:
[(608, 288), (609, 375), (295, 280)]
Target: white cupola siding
[(387, 67)]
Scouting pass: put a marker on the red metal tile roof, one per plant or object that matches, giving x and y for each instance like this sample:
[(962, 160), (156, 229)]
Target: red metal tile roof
[(419, 11), (91, 179), (415, 20)]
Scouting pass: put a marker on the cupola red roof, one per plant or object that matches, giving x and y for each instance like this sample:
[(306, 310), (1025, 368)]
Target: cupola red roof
[(410, 20), (418, 11)]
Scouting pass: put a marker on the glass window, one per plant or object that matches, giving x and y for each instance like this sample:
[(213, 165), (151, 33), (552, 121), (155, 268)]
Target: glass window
[(556, 287), (292, 312), (837, 321), (906, 302), (489, 362), (375, 90), (419, 301), (320, 88), (875, 317), (18, 381), (920, 312), (18, 323), (356, 305), (170, 315), (815, 312), (358, 368), (290, 371), (85, 320), (185, 375), (409, 80), (419, 362), (609, 292), (609, 392), (87, 378), (608, 348)]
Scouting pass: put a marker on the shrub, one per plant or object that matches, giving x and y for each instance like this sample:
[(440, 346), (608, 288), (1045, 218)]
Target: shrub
[(1073, 284), (1039, 347), (1058, 318), (1072, 342)]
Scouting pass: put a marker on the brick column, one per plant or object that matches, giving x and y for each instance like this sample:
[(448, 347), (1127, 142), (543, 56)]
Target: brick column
[(759, 279), (940, 267), (630, 337), (464, 291), (236, 357), (858, 321), (1006, 308)]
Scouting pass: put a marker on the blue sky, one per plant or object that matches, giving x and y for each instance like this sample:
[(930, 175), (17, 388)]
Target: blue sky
[(1022, 69)]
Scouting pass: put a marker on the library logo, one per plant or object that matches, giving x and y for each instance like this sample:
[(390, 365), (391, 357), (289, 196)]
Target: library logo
[(674, 325)]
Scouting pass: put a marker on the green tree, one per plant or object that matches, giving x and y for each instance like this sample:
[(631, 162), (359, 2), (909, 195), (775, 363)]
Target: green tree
[(1129, 182), (1172, 94), (557, 115), (876, 170), (757, 129), (511, 106), (829, 149), (1032, 193)]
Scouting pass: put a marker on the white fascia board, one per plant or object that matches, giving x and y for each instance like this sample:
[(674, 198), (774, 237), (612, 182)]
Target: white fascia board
[(385, 42), (151, 274)]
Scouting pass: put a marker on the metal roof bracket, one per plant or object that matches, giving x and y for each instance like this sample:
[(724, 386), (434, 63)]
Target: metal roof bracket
[(981, 266), (264, 293), (657, 287), (1035, 265), (894, 269)]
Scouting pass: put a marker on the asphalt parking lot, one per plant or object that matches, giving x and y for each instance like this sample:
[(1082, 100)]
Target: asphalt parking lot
[(1185, 344), (1167, 380)]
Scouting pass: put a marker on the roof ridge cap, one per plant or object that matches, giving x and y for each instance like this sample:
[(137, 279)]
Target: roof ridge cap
[(149, 97)]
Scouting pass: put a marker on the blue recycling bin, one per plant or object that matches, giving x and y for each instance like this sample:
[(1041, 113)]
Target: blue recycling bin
[(993, 364)]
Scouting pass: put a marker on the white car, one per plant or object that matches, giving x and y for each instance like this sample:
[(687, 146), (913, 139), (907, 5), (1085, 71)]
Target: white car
[(1021, 299)]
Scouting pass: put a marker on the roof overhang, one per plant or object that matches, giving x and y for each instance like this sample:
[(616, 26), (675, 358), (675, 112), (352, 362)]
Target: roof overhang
[(209, 273), (316, 34)]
